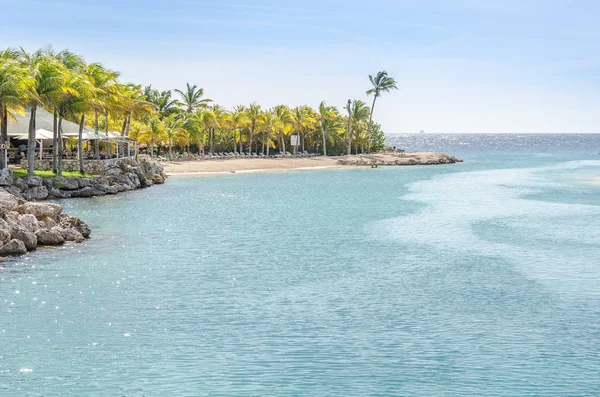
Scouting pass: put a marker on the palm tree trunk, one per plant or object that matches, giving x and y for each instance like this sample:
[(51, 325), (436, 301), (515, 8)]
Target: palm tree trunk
[(349, 134), (234, 143), (212, 140), (170, 150), (60, 149), (250, 144), (268, 143), (97, 140), (303, 136), (107, 140), (324, 140), (80, 145), (31, 141), (4, 135), (54, 141), (371, 123)]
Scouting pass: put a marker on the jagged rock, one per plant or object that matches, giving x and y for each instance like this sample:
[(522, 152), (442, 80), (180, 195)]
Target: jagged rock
[(47, 223), (40, 210), (33, 181), (63, 183), (20, 184), (4, 236), (72, 222), (71, 235), (49, 237), (29, 222), (85, 192), (84, 182), (13, 247), (6, 177), (15, 191), (158, 179), (8, 202), (57, 193), (36, 193), (28, 238)]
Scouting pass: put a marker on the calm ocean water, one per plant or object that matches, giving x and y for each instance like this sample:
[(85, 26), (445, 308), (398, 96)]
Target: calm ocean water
[(474, 279)]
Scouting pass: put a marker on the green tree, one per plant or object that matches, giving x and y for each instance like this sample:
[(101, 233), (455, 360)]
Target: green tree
[(326, 113), (192, 98), (255, 116), (15, 86), (49, 82), (381, 83)]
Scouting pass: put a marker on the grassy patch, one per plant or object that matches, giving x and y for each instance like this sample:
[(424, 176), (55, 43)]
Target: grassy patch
[(19, 173)]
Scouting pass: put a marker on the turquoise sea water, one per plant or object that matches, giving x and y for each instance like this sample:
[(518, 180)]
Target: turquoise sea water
[(474, 279)]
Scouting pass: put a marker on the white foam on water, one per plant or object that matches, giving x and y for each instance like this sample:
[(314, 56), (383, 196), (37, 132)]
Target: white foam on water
[(458, 202)]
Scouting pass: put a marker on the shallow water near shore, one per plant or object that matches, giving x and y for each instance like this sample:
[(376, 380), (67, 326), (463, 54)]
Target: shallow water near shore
[(469, 279)]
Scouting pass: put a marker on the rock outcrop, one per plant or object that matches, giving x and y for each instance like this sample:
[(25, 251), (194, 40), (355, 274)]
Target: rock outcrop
[(409, 158), (25, 226), (118, 175)]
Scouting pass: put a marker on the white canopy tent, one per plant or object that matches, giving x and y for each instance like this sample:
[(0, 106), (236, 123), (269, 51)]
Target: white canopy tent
[(19, 129)]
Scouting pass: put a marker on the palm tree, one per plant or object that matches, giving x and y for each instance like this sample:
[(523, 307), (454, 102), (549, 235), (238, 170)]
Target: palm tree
[(381, 83), (325, 114), (49, 78), (132, 104), (237, 121), (285, 124), (153, 133), (105, 82), (15, 85), (254, 115), (174, 131), (205, 121), (359, 114), (220, 114), (303, 121), (192, 98), (163, 103), (80, 100), (271, 123)]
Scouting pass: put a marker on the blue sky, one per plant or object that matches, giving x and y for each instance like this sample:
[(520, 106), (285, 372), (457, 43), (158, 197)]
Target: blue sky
[(461, 65)]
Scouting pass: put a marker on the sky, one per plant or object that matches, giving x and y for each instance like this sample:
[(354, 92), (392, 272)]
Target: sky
[(461, 66)]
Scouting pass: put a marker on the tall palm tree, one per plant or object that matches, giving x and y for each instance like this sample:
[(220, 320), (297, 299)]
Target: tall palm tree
[(359, 114), (192, 98), (271, 123), (254, 115), (205, 121), (174, 131), (303, 121), (15, 86), (106, 84), (221, 115), (238, 120), (284, 125), (152, 133), (49, 78), (163, 103), (133, 104), (381, 83), (325, 114), (79, 101)]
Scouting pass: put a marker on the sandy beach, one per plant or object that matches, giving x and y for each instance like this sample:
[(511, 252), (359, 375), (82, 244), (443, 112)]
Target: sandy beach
[(250, 165)]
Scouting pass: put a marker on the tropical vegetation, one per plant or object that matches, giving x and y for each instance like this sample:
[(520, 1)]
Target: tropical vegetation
[(171, 121)]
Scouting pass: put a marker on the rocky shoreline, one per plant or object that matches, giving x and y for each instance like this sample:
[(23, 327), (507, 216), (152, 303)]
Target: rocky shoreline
[(119, 175), (26, 225), (408, 158)]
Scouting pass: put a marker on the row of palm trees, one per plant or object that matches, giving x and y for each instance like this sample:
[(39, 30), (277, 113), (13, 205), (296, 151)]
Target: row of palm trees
[(91, 95)]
